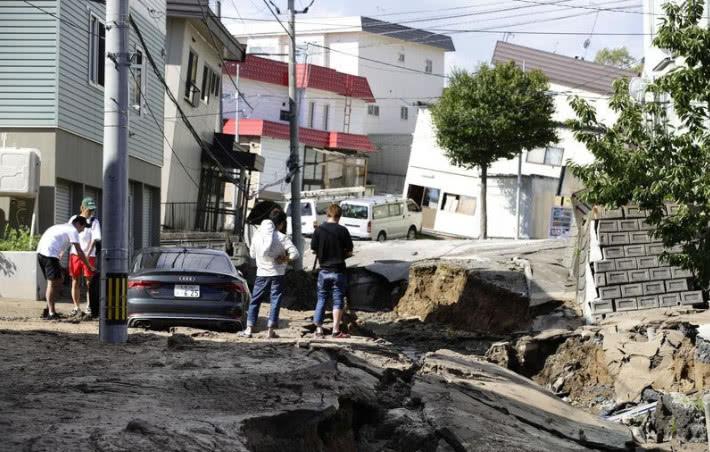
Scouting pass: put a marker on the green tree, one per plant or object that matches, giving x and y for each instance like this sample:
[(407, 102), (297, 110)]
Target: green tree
[(619, 57), (650, 156), (493, 114)]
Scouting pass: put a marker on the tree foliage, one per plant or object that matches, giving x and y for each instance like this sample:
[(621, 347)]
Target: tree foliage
[(658, 150), (619, 57), (493, 114)]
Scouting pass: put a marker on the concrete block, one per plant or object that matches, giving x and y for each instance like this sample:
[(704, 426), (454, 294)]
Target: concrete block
[(672, 209), (653, 288), (634, 250), (599, 279), (611, 213), (601, 306), (609, 292), (648, 302), (660, 273), (647, 262), (634, 212), (644, 226), (669, 299), (604, 266), (20, 276), (632, 290), (692, 297), (677, 272), (626, 304), (639, 237), (676, 285), (617, 277), (616, 238), (639, 276), (613, 252), (629, 225), (654, 249), (608, 226), (626, 263)]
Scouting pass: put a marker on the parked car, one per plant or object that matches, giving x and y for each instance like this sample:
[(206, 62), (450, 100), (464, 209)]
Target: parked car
[(313, 213), (193, 287), (381, 218)]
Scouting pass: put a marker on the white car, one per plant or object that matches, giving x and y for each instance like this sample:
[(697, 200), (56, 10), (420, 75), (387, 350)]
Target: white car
[(313, 214), (381, 218)]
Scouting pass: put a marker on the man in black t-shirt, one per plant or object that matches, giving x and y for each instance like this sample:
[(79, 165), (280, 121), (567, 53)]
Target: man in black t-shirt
[(332, 244)]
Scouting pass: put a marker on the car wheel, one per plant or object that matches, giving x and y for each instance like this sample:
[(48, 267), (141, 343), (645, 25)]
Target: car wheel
[(381, 237), (412, 233)]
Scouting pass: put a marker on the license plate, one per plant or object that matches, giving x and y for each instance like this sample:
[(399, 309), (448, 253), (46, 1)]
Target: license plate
[(187, 291)]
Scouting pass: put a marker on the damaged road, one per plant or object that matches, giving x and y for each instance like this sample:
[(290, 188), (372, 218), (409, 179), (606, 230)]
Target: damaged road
[(197, 390)]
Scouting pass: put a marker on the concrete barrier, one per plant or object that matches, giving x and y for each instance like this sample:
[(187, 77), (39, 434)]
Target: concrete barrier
[(20, 276)]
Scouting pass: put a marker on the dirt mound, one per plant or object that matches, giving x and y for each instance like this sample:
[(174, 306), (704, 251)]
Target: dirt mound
[(464, 295), (578, 370)]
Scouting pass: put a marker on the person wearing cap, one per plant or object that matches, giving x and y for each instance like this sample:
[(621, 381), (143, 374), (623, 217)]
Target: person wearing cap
[(88, 239), (51, 246)]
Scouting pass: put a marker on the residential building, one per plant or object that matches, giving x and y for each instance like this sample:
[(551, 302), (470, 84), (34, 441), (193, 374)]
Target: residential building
[(449, 195), (405, 67), (52, 100), (196, 49), (334, 150)]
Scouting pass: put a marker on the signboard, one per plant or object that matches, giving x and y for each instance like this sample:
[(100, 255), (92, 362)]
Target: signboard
[(560, 222)]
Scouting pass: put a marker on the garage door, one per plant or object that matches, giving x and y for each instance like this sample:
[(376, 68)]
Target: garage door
[(147, 216), (62, 202)]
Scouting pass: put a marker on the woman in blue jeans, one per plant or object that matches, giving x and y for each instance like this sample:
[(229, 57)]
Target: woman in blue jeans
[(273, 250)]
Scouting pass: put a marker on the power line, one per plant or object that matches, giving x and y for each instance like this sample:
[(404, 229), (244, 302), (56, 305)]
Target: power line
[(592, 8), (162, 131), (266, 2)]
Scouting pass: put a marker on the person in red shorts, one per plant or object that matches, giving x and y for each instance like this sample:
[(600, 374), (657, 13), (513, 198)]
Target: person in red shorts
[(88, 239)]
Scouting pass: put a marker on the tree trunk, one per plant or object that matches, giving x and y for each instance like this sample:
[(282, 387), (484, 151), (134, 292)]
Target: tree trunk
[(484, 204)]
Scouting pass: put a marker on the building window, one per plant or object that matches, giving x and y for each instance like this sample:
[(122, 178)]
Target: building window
[(404, 113), (400, 57), (465, 205), (311, 114), (191, 76), (428, 66), (373, 110), (216, 84), (97, 50), (137, 82), (326, 113), (209, 80), (546, 156)]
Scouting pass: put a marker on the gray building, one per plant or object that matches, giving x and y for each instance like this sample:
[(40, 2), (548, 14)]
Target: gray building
[(52, 100)]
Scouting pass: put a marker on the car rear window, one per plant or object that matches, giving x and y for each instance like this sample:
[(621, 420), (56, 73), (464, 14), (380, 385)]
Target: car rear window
[(354, 211), (306, 210), (181, 260)]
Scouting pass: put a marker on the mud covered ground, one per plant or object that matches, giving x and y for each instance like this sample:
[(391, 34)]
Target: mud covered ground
[(194, 390)]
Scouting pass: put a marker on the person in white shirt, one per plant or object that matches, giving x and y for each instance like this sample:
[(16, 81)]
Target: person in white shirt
[(51, 245), (88, 239), (273, 250)]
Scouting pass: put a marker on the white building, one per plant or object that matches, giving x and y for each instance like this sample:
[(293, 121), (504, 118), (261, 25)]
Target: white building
[(196, 45), (334, 148), (403, 65), (449, 195)]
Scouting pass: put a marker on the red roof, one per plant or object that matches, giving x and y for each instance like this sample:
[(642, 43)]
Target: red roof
[(309, 137), (307, 76)]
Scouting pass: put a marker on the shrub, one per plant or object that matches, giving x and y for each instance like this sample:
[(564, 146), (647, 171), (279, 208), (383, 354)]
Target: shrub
[(17, 240)]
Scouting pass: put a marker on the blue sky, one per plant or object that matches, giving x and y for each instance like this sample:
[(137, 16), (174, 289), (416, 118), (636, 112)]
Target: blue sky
[(510, 15)]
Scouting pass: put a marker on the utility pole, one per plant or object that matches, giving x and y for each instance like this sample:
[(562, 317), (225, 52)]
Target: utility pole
[(294, 161), (114, 256)]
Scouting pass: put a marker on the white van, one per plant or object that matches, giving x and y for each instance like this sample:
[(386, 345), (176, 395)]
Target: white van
[(313, 214), (381, 218)]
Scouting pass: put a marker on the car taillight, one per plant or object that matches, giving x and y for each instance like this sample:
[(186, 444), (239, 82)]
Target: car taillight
[(142, 283), (369, 227), (233, 287)]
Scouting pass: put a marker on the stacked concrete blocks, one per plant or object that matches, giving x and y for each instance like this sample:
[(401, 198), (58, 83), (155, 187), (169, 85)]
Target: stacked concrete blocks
[(630, 276)]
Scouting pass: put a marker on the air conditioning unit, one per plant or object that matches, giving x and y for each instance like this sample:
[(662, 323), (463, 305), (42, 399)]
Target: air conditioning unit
[(195, 96)]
